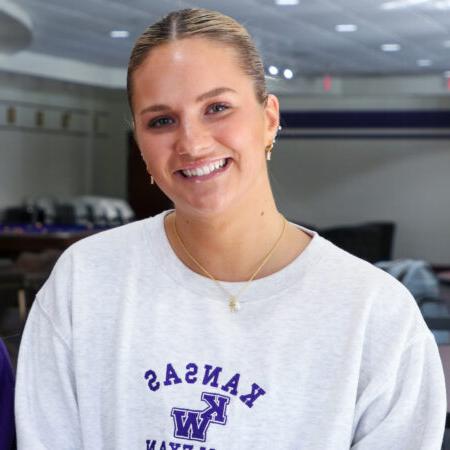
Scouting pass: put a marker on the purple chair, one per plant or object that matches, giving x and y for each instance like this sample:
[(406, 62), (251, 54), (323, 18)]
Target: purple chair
[(7, 429)]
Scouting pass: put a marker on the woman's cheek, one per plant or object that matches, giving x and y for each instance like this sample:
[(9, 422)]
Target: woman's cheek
[(154, 146)]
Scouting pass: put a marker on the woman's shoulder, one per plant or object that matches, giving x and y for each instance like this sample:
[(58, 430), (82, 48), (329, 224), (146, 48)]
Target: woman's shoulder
[(344, 267), (109, 250), (106, 256), (117, 236), (340, 267), (384, 299), (123, 238)]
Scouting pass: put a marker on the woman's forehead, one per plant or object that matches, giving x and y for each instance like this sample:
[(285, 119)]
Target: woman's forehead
[(192, 51), (194, 65)]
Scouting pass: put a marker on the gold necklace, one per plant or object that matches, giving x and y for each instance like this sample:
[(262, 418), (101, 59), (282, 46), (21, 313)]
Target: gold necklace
[(233, 300)]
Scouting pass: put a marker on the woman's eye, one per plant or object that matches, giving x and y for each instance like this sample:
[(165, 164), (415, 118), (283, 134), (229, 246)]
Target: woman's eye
[(160, 122), (217, 107)]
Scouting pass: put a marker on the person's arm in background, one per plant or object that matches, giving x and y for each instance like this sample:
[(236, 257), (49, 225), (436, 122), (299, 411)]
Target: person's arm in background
[(405, 407), (7, 430)]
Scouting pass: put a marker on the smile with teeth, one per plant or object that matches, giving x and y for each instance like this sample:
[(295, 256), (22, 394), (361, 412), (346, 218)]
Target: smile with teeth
[(204, 170)]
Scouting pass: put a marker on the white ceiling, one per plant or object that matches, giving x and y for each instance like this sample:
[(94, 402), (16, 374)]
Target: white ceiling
[(300, 37)]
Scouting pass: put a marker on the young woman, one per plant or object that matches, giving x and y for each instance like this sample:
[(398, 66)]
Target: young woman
[(219, 325)]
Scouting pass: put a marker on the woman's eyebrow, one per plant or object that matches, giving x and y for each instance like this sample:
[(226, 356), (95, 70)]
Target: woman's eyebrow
[(154, 108), (212, 93)]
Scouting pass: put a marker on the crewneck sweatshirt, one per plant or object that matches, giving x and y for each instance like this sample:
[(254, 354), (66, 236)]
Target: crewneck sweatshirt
[(127, 348)]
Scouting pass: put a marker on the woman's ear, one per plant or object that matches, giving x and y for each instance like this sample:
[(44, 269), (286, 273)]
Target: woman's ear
[(133, 128), (132, 125), (272, 112)]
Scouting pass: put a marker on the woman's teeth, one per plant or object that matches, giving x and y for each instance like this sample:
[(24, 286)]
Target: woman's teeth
[(204, 170)]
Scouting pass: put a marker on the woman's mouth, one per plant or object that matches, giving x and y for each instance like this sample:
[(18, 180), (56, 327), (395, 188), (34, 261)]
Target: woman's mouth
[(206, 171)]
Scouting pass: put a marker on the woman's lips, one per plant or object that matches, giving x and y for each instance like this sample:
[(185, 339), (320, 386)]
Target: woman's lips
[(204, 176)]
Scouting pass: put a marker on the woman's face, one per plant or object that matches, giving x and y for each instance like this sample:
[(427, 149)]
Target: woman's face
[(199, 126)]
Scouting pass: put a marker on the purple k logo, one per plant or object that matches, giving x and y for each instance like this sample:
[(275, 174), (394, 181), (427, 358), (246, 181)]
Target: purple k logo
[(193, 424)]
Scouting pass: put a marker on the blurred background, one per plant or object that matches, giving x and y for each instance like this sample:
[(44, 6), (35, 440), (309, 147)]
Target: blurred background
[(363, 157)]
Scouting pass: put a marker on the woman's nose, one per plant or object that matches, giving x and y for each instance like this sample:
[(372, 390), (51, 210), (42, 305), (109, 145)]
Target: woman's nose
[(194, 139)]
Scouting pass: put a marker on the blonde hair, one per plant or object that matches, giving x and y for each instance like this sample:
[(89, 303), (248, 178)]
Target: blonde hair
[(201, 23)]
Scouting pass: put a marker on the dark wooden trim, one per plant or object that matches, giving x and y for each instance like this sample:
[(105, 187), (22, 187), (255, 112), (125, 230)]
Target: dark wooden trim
[(366, 119), (365, 136)]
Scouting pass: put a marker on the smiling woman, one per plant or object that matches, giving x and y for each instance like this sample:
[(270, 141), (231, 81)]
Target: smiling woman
[(183, 126), (267, 335)]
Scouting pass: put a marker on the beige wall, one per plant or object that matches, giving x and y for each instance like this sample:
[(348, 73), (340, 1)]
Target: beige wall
[(50, 160), (330, 182)]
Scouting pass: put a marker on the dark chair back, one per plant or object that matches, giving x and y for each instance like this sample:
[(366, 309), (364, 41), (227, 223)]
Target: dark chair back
[(371, 241)]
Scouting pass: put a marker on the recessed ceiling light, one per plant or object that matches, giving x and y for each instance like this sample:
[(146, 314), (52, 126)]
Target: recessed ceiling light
[(390, 47), (429, 4), (346, 28), (286, 2), (443, 5), (397, 4), (273, 70), (424, 62), (118, 34), (288, 74)]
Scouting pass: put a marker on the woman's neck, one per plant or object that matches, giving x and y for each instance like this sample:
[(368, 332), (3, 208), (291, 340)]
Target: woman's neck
[(231, 246)]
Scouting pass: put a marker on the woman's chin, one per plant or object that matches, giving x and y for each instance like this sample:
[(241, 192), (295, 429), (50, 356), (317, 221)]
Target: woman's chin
[(206, 207)]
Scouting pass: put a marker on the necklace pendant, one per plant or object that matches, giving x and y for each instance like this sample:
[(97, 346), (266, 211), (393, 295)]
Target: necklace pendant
[(234, 304)]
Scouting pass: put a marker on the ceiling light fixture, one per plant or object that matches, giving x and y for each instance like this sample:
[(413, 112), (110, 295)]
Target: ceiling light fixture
[(286, 2), (443, 5), (288, 74), (119, 34), (390, 47), (398, 4), (346, 28), (401, 4), (424, 62), (273, 70)]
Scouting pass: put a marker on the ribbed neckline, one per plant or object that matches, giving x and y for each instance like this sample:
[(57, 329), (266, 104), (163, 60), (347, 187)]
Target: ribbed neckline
[(262, 288)]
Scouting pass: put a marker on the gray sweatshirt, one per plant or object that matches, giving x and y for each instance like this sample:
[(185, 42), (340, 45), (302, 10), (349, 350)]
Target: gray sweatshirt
[(126, 348)]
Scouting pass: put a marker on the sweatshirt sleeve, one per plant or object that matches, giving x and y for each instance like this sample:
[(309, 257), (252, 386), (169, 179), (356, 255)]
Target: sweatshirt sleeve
[(46, 399), (404, 409), (46, 404)]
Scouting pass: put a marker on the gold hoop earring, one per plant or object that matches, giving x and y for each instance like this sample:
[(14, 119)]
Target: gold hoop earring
[(269, 152)]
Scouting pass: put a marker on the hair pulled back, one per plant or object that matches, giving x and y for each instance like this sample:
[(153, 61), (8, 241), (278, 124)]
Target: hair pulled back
[(200, 23)]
